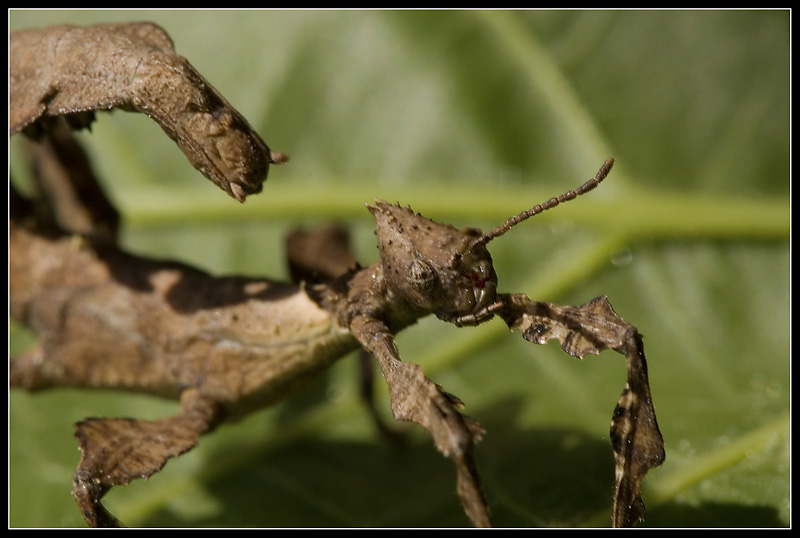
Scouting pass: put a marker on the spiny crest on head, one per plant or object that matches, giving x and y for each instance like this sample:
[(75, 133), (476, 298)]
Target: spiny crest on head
[(551, 203)]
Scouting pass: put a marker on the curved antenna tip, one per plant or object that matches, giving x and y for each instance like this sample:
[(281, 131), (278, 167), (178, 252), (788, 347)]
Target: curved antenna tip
[(551, 203)]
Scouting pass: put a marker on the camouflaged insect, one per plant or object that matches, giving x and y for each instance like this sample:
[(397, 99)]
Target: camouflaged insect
[(228, 346)]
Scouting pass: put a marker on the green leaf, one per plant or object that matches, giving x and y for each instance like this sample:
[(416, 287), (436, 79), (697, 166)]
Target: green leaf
[(470, 117)]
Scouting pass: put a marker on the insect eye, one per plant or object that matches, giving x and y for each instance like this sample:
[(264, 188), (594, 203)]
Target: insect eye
[(421, 276)]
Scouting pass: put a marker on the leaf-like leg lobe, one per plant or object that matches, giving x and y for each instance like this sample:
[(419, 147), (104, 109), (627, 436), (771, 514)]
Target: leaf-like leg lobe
[(589, 329), (114, 451)]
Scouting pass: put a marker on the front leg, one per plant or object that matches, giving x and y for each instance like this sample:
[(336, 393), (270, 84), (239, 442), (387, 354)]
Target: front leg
[(117, 450), (416, 398), (589, 329)]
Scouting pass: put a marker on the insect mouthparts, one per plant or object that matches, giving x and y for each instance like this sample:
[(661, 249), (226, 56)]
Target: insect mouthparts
[(551, 203)]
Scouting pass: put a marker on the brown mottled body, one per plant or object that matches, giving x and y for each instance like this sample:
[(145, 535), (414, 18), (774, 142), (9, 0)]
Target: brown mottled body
[(108, 319), (72, 71), (228, 346)]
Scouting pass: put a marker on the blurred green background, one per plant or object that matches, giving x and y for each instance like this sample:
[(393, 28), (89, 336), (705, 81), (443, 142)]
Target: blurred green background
[(470, 117)]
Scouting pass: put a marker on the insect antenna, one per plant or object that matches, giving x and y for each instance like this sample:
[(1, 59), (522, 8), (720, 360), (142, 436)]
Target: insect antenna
[(551, 203)]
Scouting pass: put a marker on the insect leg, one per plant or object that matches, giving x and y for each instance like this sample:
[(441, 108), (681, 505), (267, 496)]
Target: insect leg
[(589, 329), (117, 450), (69, 196), (416, 398)]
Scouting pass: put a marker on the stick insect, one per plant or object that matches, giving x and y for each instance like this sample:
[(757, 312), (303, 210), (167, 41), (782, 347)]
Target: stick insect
[(229, 346)]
